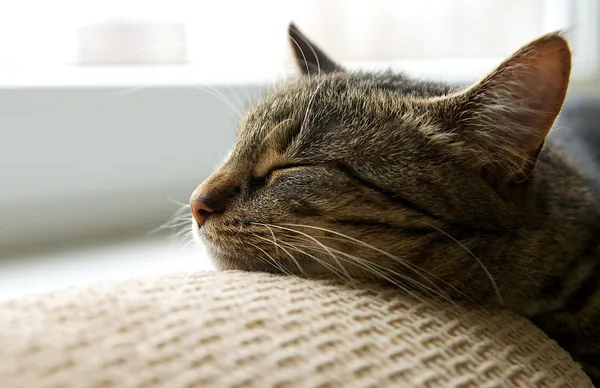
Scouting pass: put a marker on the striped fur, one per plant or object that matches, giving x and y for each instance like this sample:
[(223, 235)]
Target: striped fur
[(456, 193)]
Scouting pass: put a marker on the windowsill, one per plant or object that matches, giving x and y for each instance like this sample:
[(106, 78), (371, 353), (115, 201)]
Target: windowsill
[(128, 76), (451, 70), (43, 272)]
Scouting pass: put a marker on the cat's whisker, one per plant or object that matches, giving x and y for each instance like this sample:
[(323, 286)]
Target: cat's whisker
[(275, 262), (184, 205), (309, 105), (154, 231), (186, 217), (247, 93), (380, 273), (187, 244), (171, 224), (329, 250), (178, 220), (174, 226), (221, 97), (419, 271), (310, 246), (278, 246), (426, 275), (390, 275), (180, 214), (166, 226), (265, 258), (274, 239), (333, 269), (487, 272), (316, 241), (182, 232), (237, 97), (240, 229), (303, 55), (345, 240)]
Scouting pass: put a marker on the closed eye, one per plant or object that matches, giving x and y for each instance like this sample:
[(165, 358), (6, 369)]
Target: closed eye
[(260, 181)]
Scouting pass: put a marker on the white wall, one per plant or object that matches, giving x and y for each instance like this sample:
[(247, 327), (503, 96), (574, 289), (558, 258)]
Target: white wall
[(82, 162)]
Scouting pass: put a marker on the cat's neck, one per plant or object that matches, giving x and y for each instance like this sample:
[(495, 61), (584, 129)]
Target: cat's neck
[(559, 236), (562, 197)]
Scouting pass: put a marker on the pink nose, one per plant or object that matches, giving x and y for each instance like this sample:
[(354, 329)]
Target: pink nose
[(200, 210)]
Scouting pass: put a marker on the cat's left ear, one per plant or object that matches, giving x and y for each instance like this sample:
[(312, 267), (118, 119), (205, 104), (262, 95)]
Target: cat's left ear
[(309, 57), (502, 121)]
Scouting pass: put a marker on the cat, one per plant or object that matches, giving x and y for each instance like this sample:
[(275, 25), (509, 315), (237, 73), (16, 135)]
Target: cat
[(458, 192)]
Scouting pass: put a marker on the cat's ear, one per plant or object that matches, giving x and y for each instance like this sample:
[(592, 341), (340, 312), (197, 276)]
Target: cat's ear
[(502, 121), (310, 59)]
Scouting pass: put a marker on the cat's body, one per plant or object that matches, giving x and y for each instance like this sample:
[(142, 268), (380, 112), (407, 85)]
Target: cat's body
[(578, 134), (422, 185), (567, 306)]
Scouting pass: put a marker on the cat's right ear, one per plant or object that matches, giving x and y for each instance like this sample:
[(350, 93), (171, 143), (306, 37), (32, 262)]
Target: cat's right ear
[(499, 124), (309, 57)]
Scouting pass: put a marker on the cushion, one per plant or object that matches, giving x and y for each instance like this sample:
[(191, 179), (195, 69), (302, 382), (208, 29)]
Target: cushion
[(238, 329)]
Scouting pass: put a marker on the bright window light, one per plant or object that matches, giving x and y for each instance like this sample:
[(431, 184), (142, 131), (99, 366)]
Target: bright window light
[(186, 41)]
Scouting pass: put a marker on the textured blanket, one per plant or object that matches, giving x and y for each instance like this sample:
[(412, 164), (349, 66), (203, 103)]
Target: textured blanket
[(235, 329)]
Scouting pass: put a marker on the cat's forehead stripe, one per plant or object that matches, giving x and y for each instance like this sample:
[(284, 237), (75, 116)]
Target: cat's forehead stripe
[(267, 159)]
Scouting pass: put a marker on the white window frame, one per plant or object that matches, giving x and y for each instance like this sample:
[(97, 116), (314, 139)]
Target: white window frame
[(560, 15)]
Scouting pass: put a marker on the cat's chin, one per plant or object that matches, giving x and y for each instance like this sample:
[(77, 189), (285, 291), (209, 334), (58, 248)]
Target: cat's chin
[(196, 233), (219, 258), (202, 240)]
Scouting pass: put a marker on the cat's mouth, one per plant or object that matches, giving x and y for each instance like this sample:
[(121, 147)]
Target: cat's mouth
[(216, 242), (202, 239), (235, 252)]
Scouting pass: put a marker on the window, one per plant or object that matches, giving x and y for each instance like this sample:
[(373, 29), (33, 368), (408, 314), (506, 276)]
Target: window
[(185, 41)]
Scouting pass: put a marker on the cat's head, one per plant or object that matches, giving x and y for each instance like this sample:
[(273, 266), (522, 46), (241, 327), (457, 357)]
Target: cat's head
[(368, 174)]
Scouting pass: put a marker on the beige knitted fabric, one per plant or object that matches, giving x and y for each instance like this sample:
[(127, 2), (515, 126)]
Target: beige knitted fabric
[(256, 330)]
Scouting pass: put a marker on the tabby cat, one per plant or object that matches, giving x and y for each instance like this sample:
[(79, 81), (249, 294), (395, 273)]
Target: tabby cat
[(451, 191)]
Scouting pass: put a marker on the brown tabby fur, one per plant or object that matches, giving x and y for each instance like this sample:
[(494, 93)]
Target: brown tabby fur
[(419, 184)]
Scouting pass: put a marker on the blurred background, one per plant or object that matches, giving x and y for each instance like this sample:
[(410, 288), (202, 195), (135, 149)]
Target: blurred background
[(112, 111)]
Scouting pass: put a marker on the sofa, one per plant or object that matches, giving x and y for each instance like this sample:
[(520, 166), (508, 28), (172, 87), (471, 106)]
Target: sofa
[(240, 329)]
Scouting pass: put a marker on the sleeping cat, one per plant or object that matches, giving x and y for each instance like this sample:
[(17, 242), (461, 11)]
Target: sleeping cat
[(453, 192)]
